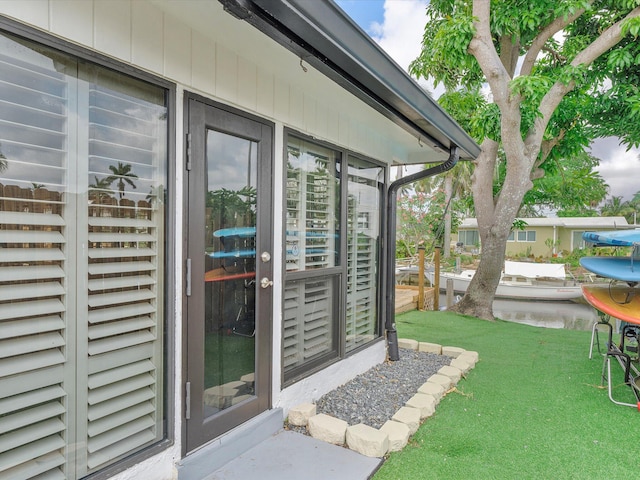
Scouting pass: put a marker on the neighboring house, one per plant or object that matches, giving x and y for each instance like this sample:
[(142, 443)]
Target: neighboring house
[(191, 218), (543, 236)]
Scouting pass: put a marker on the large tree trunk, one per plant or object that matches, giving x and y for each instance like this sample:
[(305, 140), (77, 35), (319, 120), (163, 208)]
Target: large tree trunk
[(478, 300), (495, 217)]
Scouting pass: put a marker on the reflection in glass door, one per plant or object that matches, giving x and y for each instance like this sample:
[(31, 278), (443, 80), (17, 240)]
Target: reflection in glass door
[(230, 259), (228, 313)]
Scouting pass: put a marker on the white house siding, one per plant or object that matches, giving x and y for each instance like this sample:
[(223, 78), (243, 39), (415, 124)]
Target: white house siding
[(196, 45)]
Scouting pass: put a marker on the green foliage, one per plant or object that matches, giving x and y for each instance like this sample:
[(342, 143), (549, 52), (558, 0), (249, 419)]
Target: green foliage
[(232, 207), (448, 38), (421, 222), (519, 224), (604, 90), (571, 185)]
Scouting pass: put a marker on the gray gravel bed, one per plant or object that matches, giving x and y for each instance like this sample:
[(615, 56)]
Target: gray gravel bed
[(375, 396)]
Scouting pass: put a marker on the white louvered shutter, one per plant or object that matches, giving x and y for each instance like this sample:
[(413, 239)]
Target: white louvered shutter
[(124, 301), (363, 234), (312, 195), (34, 249), (81, 301)]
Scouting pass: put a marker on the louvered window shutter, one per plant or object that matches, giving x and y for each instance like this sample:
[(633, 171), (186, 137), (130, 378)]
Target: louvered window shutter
[(34, 246), (312, 227), (123, 285), (363, 239), (81, 264)]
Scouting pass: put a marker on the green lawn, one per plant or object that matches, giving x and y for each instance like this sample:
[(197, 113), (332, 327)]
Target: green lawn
[(532, 408)]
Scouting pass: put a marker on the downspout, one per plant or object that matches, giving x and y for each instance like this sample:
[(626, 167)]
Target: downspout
[(392, 200)]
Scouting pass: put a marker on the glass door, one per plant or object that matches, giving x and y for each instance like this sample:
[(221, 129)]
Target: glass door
[(229, 271)]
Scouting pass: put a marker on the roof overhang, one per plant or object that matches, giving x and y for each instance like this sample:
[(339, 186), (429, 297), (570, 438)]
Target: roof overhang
[(321, 34)]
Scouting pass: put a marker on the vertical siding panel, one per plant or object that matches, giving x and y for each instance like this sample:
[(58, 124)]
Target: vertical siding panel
[(265, 93), (322, 115), (296, 106), (113, 28), (343, 129), (177, 50), (309, 113), (203, 61), (247, 84), (226, 74), (35, 12), (147, 25), (73, 20), (281, 100), (333, 124)]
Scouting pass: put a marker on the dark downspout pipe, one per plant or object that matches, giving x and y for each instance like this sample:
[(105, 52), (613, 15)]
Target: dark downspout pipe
[(392, 200)]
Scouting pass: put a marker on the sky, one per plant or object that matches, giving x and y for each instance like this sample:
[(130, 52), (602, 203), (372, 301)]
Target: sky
[(397, 26)]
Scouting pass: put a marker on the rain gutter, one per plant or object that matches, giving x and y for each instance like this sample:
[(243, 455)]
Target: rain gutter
[(392, 200)]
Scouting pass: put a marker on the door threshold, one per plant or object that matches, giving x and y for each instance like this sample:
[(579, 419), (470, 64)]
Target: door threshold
[(220, 451)]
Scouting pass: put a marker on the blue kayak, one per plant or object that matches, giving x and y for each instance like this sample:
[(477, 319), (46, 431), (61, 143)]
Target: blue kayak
[(234, 254), (613, 238), (626, 269), (243, 232)]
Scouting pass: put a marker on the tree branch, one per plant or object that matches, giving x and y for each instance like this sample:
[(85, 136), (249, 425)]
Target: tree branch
[(482, 181), (481, 47), (509, 51), (608, 39), (541, 39)]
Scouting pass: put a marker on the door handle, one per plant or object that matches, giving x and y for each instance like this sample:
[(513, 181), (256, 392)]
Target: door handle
[(265, 282)]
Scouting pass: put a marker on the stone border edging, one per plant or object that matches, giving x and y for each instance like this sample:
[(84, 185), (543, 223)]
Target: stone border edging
[(395, 433)]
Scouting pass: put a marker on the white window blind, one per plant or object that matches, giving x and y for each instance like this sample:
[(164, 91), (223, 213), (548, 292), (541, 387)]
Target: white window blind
[(313, 199), (363, 237), (124, 301), (81, 302), (308, 321)]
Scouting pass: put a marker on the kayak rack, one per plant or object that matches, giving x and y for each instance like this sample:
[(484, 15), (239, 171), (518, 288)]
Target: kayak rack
[(628, 363)]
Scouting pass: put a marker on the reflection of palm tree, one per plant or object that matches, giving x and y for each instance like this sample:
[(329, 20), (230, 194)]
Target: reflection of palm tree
[(156, 195), (121, 174), (3, 162), (100, 190)]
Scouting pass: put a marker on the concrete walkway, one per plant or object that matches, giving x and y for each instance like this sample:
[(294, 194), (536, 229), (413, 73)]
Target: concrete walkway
[(293, 456)]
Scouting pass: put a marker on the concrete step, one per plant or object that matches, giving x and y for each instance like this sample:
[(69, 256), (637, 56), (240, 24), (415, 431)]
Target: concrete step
[(293, 456), (200, 464)]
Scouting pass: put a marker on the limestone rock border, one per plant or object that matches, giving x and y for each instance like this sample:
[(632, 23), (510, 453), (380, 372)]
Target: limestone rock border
[(378, 442)]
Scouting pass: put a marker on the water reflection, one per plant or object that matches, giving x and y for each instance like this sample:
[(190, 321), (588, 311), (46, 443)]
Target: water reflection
[(569, 315)]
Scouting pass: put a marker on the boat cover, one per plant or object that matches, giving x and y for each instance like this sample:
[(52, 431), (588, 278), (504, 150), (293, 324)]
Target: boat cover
[(535, 270)]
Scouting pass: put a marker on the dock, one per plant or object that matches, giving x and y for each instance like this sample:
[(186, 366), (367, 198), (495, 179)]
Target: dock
[(407, 297)]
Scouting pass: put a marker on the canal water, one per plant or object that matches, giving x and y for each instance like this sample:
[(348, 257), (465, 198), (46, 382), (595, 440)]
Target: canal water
[(569, 315)]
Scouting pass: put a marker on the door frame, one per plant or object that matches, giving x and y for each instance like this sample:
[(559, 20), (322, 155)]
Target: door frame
[(264, 234)]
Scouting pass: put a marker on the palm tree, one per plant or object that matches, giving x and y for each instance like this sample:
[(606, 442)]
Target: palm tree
[(121, 174), (614, 206)]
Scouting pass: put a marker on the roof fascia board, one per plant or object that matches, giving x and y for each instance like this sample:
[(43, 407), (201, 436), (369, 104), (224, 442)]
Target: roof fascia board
[(320, 33)]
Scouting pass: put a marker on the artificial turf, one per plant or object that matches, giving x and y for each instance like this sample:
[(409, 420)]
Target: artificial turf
[(532, 408)]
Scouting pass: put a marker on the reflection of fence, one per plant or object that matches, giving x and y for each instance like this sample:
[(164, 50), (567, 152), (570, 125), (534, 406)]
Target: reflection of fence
[(19, 204), (34, 200)]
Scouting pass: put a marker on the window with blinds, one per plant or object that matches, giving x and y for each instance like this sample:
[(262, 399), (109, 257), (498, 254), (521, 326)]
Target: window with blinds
[(312, 245), (364, 194), (330, 305), (82, 176)]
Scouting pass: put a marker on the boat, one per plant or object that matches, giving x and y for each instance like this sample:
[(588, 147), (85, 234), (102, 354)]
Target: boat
[(521, 280)]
